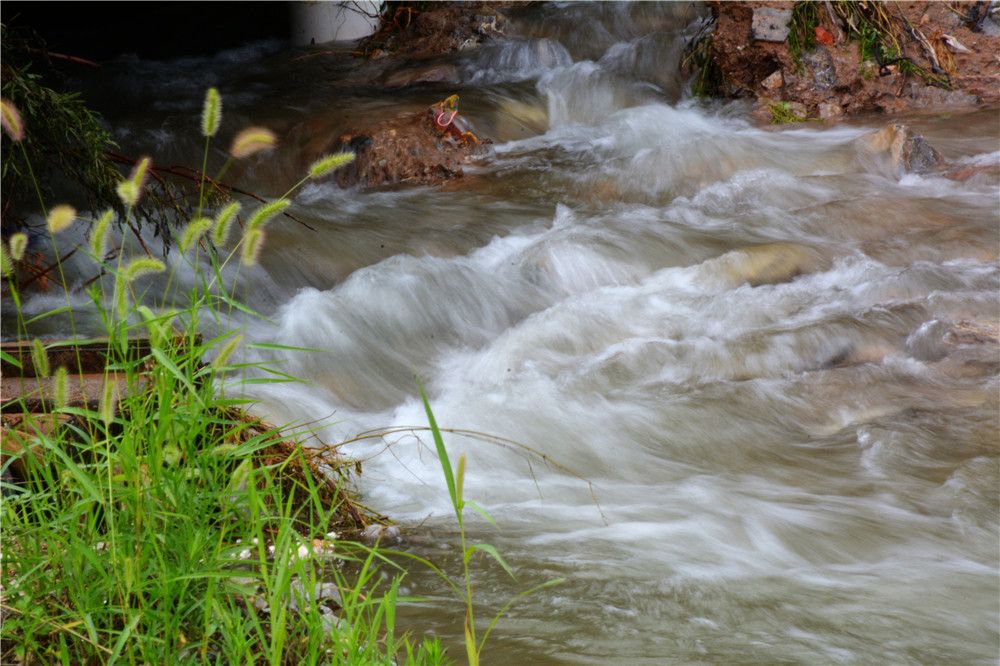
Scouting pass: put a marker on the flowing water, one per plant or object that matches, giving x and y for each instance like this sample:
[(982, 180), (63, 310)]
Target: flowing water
[(756, 434)]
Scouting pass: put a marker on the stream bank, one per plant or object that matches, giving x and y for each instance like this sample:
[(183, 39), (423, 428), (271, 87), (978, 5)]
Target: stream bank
[(827, 60)]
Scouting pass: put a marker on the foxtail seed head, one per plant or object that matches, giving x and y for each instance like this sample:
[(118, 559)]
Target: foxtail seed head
[(253, 243), (252, 140), (130, 190), (193, 232), (18, 245), (120, 296), (140, 171), (141, 266), (127, 192), (261, 216), (60, 217), (227, 351), (39, 358), (223, 222), (211, 113), (10, 119), (6, 266), (61, 387), (98, 240), (326, 164), (109, 396)]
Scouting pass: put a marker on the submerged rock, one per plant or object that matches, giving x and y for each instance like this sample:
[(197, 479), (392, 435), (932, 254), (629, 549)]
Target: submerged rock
[(771, 263), (387, 535), (966, 348), (905, 150)]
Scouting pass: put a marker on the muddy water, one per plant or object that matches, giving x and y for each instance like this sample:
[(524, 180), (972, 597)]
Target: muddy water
[(757, 372)]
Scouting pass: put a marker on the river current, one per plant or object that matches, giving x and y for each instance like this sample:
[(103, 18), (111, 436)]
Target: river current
[(757, 373)]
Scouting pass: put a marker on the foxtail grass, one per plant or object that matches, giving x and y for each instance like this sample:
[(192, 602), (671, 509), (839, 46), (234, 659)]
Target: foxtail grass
[(163, 524)]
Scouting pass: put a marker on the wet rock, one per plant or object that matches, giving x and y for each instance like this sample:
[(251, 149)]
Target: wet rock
[(965, 348), (905, 151), (819, 62), (990, 28), (770, 24), (771, 263), (440, 73), (413, 148), (829, 110), (798, 109), (326, 594), (932, 97), (968, 171), (514, 119), (387, 535), (774, 81)]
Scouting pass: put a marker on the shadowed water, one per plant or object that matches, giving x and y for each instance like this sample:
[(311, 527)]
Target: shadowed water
[(735, 347)]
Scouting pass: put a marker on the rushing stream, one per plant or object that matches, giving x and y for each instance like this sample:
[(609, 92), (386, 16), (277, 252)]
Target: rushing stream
[(731, 349)]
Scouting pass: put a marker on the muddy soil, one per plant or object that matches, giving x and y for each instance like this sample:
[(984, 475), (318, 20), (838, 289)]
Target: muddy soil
[(412, 148), (958, 43), (438, 28)]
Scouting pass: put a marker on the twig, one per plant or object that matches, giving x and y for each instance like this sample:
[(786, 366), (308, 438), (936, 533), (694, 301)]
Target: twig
[(48, 269), (194, 175), (61, 627), (63, 56), (306, 56), (131, 225), (101, 273)]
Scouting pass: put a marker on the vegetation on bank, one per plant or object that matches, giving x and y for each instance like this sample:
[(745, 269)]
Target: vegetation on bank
[(158, 522), (886, 41)]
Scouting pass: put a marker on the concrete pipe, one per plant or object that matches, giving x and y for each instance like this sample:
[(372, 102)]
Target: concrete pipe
[(319, 22)]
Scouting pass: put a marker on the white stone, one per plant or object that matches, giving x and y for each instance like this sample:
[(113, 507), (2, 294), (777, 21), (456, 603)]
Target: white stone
[(770, 24), (774, 81)]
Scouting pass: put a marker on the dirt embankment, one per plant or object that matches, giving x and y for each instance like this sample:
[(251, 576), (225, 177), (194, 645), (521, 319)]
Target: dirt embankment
[(437, 28), (827, 59)]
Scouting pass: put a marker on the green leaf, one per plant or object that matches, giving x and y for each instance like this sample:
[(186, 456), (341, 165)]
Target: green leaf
[(481, 511), (277, 347), (123, 638), (228, 300), (449, 476), (495, 554), (7, 358), (176, 372), (267, 380), (81, 477), (237, 481)]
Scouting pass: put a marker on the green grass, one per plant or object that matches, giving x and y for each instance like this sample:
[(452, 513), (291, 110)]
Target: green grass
[(802, 30), (454, 479), (697, 61), (171, 527), (142, 535), (166, 525), (781, 113)]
